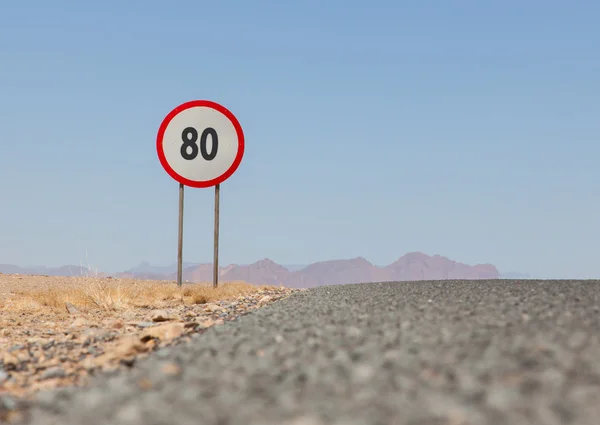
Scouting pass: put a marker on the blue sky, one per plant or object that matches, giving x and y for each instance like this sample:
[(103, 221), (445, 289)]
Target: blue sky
[(468, 129)]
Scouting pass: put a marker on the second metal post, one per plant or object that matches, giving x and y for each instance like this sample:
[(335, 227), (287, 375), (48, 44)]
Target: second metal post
[(216, 247)]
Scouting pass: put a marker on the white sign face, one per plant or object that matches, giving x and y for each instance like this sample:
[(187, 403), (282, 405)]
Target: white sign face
[(200, 144)]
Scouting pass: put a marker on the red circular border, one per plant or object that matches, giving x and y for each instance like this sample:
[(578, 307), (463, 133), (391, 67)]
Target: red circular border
[(205, 183)]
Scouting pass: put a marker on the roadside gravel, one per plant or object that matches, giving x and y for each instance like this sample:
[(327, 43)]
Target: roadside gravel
[(430, 353), (61, 331)]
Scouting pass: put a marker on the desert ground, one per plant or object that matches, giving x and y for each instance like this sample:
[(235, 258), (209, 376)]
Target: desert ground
[(60, 331)]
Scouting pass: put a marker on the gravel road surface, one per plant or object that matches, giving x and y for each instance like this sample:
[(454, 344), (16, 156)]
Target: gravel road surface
[(430, 353)]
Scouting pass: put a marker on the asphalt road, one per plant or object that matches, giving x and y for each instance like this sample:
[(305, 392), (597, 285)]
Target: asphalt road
[(430, 353)]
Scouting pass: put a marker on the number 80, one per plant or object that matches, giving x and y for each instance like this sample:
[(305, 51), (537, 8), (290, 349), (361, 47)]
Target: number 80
[(190, 137)]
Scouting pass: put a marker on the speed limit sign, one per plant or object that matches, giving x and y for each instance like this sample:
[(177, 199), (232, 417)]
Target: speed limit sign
[(200, 144)]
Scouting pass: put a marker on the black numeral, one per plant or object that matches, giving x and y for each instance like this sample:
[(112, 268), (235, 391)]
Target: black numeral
[(215, 144), (190, 137)]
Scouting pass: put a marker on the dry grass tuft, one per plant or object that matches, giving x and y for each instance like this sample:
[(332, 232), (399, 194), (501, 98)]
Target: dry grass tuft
[(119, 294), (102, 295), (199, 299)]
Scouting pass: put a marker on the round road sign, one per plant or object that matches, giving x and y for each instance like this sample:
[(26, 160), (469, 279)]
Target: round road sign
[(200, 143)]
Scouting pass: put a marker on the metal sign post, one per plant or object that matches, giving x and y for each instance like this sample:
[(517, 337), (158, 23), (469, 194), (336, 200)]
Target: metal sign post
[(216, 243), (180, 238)]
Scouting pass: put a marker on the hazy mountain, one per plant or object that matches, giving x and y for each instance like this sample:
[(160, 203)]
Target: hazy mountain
[(419, 266), (264, 272), (49, 271), (410, 267), (147, 268), (295, 267), (10, 269), (199, 272), (336, 272)]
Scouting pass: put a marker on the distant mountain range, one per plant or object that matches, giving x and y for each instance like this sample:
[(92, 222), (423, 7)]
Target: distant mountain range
[(410, 267)]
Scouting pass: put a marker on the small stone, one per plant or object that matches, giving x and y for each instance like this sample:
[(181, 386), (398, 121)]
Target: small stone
[(117, 324), (22, 356), (88, 363), (3, 376), (54, 372), (10, 360), (145, 384), (165, 332), (128, 315), (266, 299), (362, 373), (106, 336), (94, 351), (71, 309), (7, 402), (128, 346), (48, 345), (161, 316), (128, 361), (211, 308), (171, 369), (143, 325), (278, 339), (353, 332), (206, 323), (15, 348), (79, 322)]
